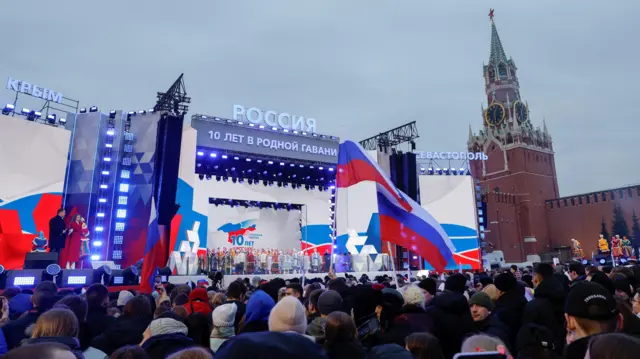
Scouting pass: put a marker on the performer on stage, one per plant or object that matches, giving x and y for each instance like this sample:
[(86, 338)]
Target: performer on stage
[(627, 249), (316, 262), (327, 261), (73, 243), (251, 262), (85, 251), (616, 245), (603, 245), (57, 231), (270, 258), (263, 261), (578, 253), (40, 243)]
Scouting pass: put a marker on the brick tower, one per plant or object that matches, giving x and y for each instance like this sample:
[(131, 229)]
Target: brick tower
[(520, 173)]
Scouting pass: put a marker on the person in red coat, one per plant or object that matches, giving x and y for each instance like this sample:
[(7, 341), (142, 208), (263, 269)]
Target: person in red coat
[(74, 242)]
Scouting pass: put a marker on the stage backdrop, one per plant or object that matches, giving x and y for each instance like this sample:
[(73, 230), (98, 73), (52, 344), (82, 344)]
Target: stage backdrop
[(451, 201), (192, 221), (33, 162), (266, 228)]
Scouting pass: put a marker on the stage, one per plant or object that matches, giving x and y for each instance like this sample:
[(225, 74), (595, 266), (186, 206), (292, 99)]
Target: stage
[(230, 278)]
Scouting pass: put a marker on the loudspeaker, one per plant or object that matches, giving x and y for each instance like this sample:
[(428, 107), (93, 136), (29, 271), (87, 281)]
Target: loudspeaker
[(40, 260)]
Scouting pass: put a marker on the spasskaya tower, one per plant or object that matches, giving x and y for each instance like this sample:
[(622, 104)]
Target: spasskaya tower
[(519, 174)]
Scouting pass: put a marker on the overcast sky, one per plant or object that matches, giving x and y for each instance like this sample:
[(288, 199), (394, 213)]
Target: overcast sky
[(359, 67)]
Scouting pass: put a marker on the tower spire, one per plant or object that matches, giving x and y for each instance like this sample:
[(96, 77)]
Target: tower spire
[(497, 54), (470, 134)]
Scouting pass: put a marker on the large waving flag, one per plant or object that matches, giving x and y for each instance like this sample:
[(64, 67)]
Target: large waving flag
[(156, 252), (402, 221)]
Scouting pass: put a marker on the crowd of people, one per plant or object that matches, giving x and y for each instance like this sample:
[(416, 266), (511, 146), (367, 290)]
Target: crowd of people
[(537, 312)]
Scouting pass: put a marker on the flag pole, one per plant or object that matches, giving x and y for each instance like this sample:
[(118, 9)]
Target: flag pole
[(393, 264)]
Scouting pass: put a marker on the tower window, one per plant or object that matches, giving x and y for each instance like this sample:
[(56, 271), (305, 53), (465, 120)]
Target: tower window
[(573, 202), (558, 203), (621, 194), (580, 200), (604, 196), (551, 204), (613, 195), (595, 198), (629, 192), (566, 203), (502, 71), (588, 198)]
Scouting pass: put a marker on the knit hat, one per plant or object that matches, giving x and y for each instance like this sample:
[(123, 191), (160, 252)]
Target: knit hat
[(412, 295), (481, 299), (124, 297), (456, 283), (224, 315), (429, 285), (167, 326), (329, 301), (505, 282), (288, 316), (590, 301)]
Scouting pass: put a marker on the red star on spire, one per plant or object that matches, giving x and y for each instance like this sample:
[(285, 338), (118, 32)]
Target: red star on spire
[(491, 14)]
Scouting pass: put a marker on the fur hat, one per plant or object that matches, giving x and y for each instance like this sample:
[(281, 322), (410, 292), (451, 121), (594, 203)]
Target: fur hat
[(288, 316)]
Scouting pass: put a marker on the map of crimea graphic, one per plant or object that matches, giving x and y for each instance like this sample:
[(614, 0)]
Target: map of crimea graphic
[(236, 231)]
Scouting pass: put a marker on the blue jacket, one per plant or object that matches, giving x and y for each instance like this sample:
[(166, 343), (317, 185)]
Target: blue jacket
[(3, 343)]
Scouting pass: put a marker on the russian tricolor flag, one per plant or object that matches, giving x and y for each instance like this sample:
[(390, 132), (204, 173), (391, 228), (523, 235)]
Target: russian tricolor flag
[(156, 252), (402, 221)]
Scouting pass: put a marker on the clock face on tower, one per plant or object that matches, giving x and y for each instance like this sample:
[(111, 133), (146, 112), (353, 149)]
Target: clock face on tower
[(494, 115), (520, 111)]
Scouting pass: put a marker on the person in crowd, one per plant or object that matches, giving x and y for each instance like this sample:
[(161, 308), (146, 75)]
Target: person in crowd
[(613, 346), (43, 299), (270, 345), (340, 339), (535, 342), (590, 309), (328, 302), (178, 290), (429, 289), (58, 325), (47, 350), (257, 312), (192, 353), (128, 329), (630, 322), (364, 299), (73, 243), (635, 302), (295, 290), (485, 322), (223, 321), (576, 272), (165, 336), (123, 297), (98, 320), (312, 307), (411, 318), (389, 351), (198, 302), (622, 287), (604, 280), (547, 307), (235, 294), (451, 315), (129, 352), (484, 343), (182, 299), (423, 346), (57, 231), (199, 329), (388, 304), (492, 291), (215, 299), (288, 315), (78, 305), (509, 307)]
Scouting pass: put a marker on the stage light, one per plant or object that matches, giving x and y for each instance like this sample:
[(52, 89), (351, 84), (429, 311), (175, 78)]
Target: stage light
[(131, 113), (99, 229), (102, 200), (251, 124), (234, 180), (142, 112), (111, 132), (83, 110), (62, 121), (105, 173), (33, 115), (201, 176), (240, 123), (236, 158), (112, 114), (264, 182), (320, 168), (208, 177), (213, 154), (292, 165), (200, 153), (274, 128), (225, 179), (314, 134), (93, 109), (107, 159), (51, 119), (281, 163), (97, 243), (103, 186), (95, 257), (224, 157), (24, 281), (330, 169), (218, 178), (603, 261), (8, 108), (248, 159)]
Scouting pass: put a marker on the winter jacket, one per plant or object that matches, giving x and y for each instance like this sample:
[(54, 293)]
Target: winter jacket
[(577, 349), (15, 330), (98, 322), (410, 319), (452, 321), (268, 345), (492, 326), (316, 329), (3, 343), (240, 320), (389, 351), (125, 331), (509, 308), (71, 342), (547, 310), (161, 346), (348, 350)]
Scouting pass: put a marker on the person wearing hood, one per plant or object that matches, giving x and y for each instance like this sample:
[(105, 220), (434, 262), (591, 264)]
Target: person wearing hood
[(509, 307), (257, 312), (388, 303), (58, 325), (236, 293), (485, 322), (223, 318), (451, 315), (340, 337), (128, 329), (288, 315), (198, 302), (165, 335), (411, 318), (328, 302), (123, 297), (547, 307)]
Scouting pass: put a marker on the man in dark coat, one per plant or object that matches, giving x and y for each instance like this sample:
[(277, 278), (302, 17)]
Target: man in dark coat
[(486, 322), (547, 307), (57, 231), (509, 307)]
